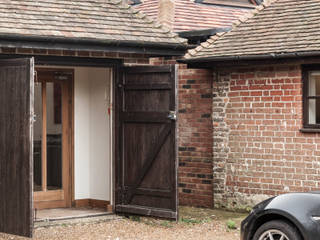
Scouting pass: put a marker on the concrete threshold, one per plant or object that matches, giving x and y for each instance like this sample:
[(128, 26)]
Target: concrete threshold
[(56, 217)]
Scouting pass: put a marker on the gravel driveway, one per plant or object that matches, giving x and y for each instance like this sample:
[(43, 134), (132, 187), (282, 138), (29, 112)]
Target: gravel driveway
[(194, 224)]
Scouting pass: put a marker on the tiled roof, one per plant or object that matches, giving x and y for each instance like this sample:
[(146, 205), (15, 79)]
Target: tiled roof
[(189, 15), (195, 16), (109, 21), (279, 27), (149, 7)]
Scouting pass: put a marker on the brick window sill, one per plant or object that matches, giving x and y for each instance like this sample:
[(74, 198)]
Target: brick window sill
[(310, 130)]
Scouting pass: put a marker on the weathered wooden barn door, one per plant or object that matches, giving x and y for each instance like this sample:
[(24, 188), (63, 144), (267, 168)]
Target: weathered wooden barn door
[(146, 176), (16, 107)]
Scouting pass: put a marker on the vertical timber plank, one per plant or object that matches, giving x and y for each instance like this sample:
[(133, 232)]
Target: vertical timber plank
[(16, 146)]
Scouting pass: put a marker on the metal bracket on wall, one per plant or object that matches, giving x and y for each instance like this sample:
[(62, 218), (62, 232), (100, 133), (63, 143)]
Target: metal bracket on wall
[(172, 115)]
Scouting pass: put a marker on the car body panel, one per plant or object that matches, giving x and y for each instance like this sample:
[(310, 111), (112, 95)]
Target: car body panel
[(297, 208)]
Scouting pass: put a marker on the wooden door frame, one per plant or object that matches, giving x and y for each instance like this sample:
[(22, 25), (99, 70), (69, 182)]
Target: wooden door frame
[(60, 198)]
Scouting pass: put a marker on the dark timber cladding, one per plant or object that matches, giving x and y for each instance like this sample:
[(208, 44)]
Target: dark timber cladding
[(16, 99), (146, 180)]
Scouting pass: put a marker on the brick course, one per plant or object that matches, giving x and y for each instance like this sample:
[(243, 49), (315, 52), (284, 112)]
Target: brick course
[(194, 135), (128, 58), (258, 149)]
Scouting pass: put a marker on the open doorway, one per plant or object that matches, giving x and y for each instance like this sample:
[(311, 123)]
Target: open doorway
[(72, 138), (140, 151), (51, 138)]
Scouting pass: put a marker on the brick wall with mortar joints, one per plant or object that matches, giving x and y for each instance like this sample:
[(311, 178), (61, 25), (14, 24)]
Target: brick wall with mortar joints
[(194, 134), (266, 154), (129, 58), (221, 86)]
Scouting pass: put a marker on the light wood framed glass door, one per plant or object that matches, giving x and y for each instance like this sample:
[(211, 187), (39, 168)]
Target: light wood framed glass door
[(52, 138)]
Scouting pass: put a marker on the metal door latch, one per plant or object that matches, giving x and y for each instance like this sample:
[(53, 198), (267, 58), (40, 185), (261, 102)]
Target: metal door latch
[(33, 118), (172, 115)]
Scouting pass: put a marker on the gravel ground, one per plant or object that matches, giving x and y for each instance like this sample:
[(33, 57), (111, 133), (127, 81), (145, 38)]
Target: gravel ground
[(194, 224)]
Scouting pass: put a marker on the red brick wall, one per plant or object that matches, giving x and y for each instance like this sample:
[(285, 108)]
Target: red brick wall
[(194, 135), (258, 148), (195, 138)]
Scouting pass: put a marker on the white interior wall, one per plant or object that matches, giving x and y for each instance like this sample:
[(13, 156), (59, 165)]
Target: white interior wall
[(100, 134), (81, 134), (92, 133)]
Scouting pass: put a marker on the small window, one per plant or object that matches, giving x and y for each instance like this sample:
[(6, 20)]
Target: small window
[(311, 96)]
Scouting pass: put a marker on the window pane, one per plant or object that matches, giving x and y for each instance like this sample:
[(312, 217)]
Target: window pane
[(314, 84), (314, 111), (54, 136), (37, 138)]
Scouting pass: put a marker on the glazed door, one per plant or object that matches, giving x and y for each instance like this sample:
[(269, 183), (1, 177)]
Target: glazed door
[(147, 163), (16, 100), (52, 138)]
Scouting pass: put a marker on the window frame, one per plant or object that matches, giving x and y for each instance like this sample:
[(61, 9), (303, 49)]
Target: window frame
[(306, 69)]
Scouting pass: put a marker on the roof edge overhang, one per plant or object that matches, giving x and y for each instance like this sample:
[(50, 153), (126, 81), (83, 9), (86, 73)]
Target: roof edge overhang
[(83, 44), (209, 62)]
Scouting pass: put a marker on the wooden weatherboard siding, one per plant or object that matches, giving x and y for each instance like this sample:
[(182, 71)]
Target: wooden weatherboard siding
[(147, 166), (16, 99)]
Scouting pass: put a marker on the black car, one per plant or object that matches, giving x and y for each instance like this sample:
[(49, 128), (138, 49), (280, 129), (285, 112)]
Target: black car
[(293, 216)]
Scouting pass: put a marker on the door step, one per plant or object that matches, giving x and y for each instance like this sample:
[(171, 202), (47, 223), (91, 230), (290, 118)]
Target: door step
[(64, 221), (63, 216)]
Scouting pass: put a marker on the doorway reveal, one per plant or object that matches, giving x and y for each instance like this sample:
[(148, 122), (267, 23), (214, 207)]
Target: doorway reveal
[(92, 136), (73, 137)]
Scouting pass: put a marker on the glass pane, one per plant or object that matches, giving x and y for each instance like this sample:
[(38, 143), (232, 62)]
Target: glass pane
[(37, 137), (54, 136), (314, 111), (314, 84), (314, 104)]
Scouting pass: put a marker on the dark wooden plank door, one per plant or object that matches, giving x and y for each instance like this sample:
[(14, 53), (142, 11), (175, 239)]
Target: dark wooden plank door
[(16, 108), (146, 176)]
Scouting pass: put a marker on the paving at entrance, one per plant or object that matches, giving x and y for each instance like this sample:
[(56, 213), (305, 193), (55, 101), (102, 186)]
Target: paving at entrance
[(200, 224)]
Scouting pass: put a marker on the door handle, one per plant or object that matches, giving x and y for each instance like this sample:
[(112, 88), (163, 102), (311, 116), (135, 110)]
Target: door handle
[(172, 115)]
